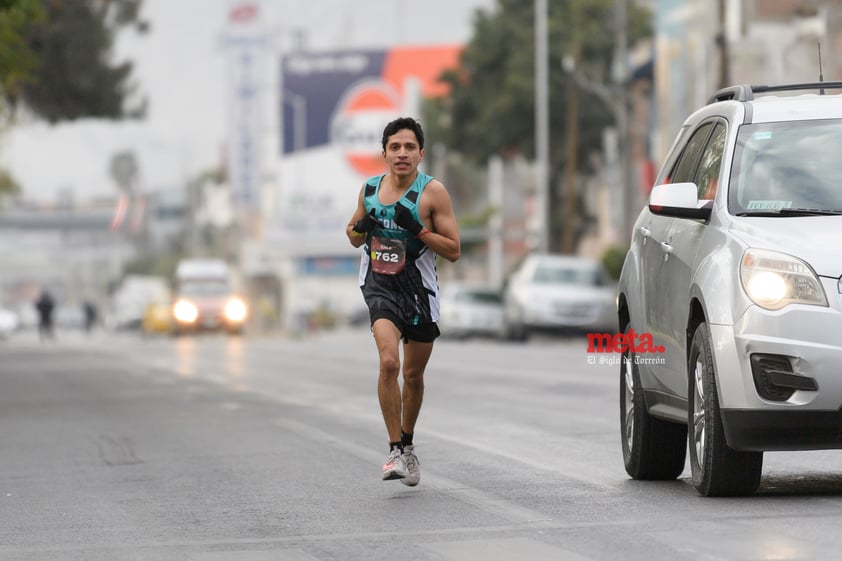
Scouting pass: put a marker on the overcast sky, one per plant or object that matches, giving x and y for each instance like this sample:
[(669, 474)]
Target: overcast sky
[(181, 67)]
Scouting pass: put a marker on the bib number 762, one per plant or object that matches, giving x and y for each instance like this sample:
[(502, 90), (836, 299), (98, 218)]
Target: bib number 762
[(388, 255)]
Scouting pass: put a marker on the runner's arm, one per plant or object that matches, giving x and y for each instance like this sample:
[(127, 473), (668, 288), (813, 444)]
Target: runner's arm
[(443, 235), (356, 238)]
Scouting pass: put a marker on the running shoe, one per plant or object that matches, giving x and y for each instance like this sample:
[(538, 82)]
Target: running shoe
[(413, 466), (395, 466)]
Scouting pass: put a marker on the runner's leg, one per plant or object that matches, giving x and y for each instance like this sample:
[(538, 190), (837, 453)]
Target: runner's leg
[(387, 337), (416, 356)]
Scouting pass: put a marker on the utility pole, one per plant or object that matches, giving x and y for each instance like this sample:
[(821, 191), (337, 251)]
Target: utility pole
[(621, 83), (568, 237), (722, 40), (542, 125), (496, 241)]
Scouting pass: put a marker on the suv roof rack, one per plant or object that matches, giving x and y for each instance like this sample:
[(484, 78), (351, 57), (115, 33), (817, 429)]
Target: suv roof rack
[(746, 93)]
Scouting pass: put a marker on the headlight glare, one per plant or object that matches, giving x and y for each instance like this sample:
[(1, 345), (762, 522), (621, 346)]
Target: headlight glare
[(773, 280), (235, 310), (185, 312)]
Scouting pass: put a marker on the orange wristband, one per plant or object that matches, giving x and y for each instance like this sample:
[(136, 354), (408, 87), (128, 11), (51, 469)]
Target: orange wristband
[(423, 232)]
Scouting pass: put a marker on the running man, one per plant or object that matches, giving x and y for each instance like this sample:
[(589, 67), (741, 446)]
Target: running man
[(404, 219)]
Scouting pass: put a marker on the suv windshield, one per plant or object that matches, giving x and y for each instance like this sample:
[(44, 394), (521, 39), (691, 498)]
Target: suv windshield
[(787, 169)]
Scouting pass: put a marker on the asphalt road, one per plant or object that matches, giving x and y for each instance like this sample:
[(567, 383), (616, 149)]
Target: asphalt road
[(257, 449)]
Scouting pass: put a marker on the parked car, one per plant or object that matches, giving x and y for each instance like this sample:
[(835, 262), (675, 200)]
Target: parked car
[(735, 272), (69, 317), (9, 323), (470, 311), (558, 292), (27, 316), (134, 295), (157, 318)]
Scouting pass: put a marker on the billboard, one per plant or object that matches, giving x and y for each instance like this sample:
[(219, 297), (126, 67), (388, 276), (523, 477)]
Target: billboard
[(334, 108), (245, 44)]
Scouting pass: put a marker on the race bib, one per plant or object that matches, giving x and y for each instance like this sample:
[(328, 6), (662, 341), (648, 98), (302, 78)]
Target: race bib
[(388, 255)]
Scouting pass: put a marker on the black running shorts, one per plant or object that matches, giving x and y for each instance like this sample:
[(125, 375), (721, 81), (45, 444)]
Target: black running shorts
[(423, 332)]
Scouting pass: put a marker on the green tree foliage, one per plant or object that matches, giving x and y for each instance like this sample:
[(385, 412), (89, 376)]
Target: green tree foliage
[(17, 61), (8, 186), (613, 259), (492, 106), (66, 71), (491, 109)]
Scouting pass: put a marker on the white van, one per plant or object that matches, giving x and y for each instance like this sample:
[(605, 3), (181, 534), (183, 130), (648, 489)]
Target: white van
[(206, 299)]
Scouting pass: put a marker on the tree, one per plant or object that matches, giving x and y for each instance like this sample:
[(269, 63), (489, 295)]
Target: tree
[(17, 61), (54, 60), (492, 103), (64, 70), (8, 186)]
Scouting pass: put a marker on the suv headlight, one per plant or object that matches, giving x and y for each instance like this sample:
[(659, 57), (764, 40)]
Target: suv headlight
[(773, 280)]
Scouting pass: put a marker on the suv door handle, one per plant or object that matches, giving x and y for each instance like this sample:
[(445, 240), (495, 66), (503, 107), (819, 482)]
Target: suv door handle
[(667, 249), (644, 233)]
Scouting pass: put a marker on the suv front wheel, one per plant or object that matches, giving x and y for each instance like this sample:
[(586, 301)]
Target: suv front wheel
[(717, 469)]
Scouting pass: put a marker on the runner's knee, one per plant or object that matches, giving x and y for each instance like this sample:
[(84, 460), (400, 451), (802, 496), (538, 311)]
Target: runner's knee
[(389, 366), (413, 376)]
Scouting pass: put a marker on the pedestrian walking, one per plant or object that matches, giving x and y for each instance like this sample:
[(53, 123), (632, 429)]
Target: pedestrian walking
[(91, 314), (403, 220), (44, 305)]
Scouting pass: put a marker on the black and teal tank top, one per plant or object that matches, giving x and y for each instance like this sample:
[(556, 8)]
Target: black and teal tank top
[(417, 267)]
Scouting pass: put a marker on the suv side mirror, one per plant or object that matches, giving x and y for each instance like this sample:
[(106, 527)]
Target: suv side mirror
[(678, 199)]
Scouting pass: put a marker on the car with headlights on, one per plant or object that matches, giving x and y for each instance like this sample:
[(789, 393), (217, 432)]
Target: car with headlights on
[(735, 273), (469, 310), (205, 299), (558, 293)]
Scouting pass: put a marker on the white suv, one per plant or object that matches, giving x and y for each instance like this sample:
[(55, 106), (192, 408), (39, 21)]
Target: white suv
[(733, 280)]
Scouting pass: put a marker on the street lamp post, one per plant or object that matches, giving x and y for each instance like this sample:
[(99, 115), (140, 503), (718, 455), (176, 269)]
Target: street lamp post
[(542, 125)]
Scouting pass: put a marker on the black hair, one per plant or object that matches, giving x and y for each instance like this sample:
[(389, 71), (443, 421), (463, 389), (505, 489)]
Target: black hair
[(403, 123)]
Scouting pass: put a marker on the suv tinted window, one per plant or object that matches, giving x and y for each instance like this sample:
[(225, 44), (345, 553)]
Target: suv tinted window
[(685, 166), (707, 176)]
